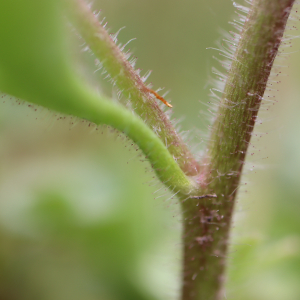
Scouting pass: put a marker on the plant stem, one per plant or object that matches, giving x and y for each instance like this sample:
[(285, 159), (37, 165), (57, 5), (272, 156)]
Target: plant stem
[(207, 221), (102, 111), (34, 66), (129, 82)]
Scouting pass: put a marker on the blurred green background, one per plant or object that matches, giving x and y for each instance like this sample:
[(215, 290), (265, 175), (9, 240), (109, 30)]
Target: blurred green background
[(81, 213)]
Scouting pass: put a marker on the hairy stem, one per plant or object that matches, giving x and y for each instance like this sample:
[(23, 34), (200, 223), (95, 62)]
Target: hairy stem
[(207, 221), (129, 82), (34, 66), (102, 111)]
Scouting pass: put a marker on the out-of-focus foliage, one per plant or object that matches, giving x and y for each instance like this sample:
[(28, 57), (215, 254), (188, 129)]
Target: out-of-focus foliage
[(78, 216), (82, 217)]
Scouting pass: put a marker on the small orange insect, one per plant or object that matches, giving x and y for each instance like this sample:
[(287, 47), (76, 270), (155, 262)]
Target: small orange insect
[(160, 98)]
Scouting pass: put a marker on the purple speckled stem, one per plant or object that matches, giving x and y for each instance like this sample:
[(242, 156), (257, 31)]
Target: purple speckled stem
[(207, 221)]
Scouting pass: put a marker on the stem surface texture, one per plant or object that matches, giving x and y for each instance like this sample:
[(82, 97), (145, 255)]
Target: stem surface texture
[(207, 220)]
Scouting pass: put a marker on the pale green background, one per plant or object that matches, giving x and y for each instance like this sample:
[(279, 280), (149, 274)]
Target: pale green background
[(78, 208)]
